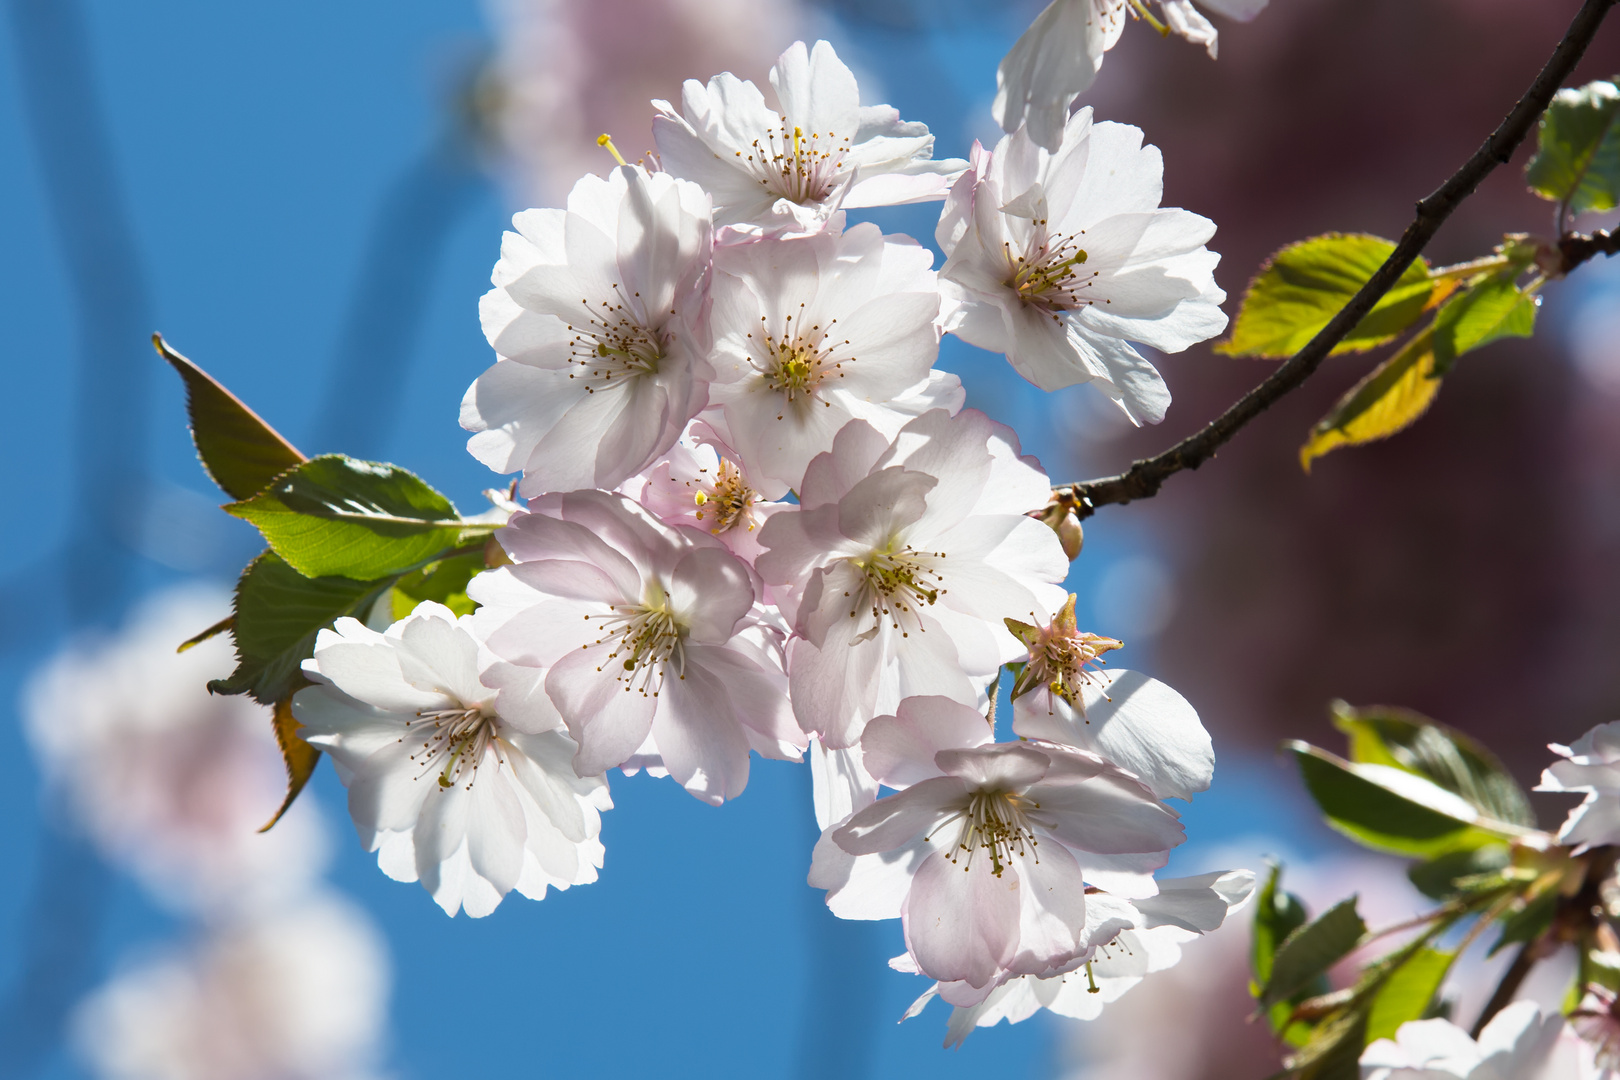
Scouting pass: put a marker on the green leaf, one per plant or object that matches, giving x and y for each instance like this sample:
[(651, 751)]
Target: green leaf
[(1390, 398), (444, 582), (1445, 876), (1407, 740), (1407, 992), (278, 613), (1577, 158), (335, 515), (1334, 1050), (1276, 915), (1388, 809), (1312, 949), (1494, 308), (1300, 288), (239, 451)]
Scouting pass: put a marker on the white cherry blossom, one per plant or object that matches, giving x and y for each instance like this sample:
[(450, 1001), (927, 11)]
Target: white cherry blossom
[(296, 993), (1138, 723), (1154, 931), (471, 801), (813, 332), (701, 484), (990, 847), (900, 563), (1061, 260), (1591, 766), (170, 782), (1058, 57), (645, 637), (596, 318), (1518, 1044), (790, 169)]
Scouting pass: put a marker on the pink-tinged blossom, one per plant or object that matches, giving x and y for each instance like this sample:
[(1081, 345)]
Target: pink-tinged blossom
[(1062, 259), (1148, 935), (788, 169), (1592, 767), (900, 564), (169, 781), (296, 993), (1138, 723), (701, 484), (596, 319), (988, 848), (647, 639), (470, 800), (814, 332), (569, 70), (1058, 57), (1518, 1044)]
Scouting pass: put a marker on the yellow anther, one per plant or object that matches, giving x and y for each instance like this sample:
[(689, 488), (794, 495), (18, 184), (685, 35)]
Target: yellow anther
[(700, 498), (605, 141), (798, 133)]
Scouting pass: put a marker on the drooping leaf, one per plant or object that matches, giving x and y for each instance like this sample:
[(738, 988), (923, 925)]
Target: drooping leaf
[(1577, 156), (1388, 809), (239, 450), (1494, 308), (299, 757), (335, 515), (278, 613), (1311, 950), (1445, 876), (1407, 992), (1394, 394), (1407, 740), (444, 582), (1300, 288), (1334, 1049)]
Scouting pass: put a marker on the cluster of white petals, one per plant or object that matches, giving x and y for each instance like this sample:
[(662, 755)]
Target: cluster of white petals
[(471, 802), (1591, 767), (1520, 1043), (1061, 259), (756, 519), (1058, 57)]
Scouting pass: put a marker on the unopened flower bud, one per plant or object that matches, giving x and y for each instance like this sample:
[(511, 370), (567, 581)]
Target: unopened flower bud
[(1060, 518)]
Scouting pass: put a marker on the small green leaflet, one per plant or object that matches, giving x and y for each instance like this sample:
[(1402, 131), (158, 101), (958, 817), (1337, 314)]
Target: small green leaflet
[(240, 451), (1577, 159), (337, 516), (1493, 308), (443, 582), (1312, 949), (1300, 288), (1387, 400), (1407, 992)]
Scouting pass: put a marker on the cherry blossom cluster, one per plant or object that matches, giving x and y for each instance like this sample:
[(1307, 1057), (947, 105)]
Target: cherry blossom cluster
[(757, 519)]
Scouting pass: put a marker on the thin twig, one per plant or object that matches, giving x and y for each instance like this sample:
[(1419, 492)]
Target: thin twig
[(1579, 247), (1143, 479)]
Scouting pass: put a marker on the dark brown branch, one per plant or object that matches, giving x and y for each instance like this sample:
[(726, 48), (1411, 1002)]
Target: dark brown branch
[(1144, 477), (1514, 977), (1579, 247)]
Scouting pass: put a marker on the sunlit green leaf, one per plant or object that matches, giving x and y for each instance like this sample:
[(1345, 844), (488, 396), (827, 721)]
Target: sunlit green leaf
[(1389, 809), (444, 582), (1407, 992), (1494, 308), (1407, 740), (240, 451), (1300, 288), (335, 515), (1394, 394), (1578, 148)]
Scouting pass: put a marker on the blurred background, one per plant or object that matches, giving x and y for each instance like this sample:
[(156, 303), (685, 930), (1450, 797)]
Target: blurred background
[(307, 199)]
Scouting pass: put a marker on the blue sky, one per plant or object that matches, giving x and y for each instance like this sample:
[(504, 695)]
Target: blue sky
[(253, 146)]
